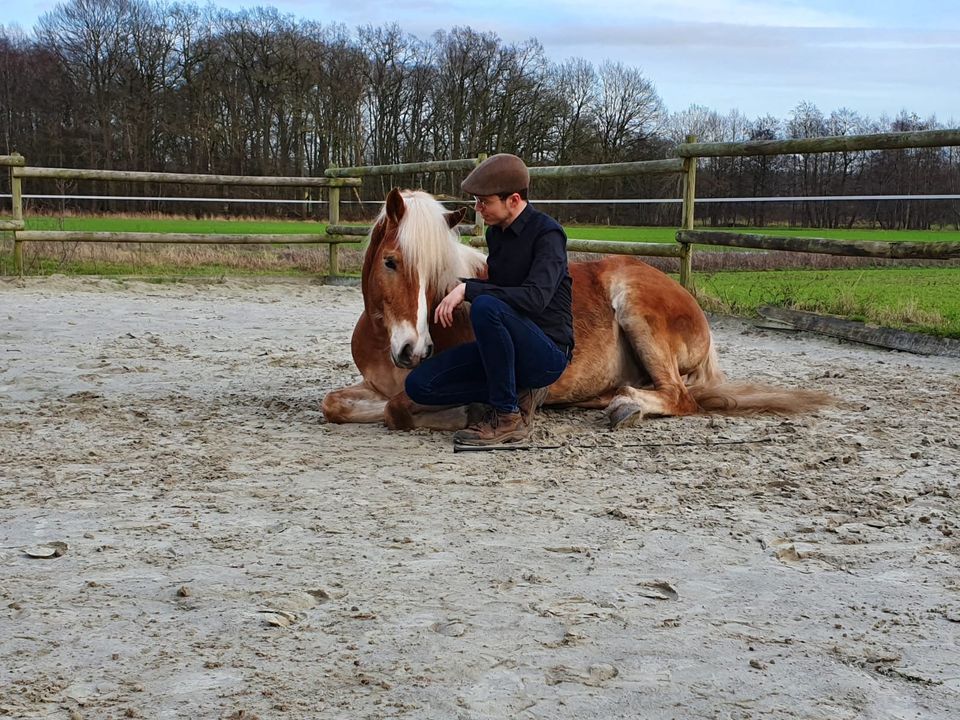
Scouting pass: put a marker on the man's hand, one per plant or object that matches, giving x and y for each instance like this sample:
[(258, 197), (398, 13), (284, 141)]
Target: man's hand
[(444, 311)]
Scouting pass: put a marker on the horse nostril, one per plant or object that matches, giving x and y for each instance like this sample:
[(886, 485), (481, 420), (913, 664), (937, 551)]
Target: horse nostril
[(428, 352), (405, 354)]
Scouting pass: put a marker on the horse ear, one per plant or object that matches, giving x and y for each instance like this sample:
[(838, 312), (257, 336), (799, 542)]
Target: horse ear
[(454, 217), (395, 206)]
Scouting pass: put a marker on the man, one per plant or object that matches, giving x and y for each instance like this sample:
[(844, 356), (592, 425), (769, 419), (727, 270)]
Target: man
[(521, 315)]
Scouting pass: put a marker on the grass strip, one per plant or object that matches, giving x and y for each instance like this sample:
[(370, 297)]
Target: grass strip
[(919, 299)]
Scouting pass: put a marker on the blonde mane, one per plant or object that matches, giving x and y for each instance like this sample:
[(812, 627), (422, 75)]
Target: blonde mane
[(429, 247)]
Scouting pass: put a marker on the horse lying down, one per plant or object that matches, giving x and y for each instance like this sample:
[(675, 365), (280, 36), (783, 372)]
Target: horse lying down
[(643, 345)]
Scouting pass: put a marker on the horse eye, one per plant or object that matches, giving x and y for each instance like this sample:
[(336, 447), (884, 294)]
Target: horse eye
[(390, 263)]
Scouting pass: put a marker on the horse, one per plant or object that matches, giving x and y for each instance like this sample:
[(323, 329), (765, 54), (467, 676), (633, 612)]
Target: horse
[(643, 346)]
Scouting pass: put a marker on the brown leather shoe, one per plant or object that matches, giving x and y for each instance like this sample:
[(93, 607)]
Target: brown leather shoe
[(530, 401), (497, 428)]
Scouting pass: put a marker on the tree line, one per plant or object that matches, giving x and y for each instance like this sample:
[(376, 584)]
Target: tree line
[(169, 86)]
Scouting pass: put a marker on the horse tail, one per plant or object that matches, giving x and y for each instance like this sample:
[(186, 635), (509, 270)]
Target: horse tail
[(754, 399), (713, 394)]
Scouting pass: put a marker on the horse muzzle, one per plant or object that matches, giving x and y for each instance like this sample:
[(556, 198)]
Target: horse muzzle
[(407, 360)]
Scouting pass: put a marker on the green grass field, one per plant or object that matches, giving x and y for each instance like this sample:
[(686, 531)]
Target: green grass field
[(921, 299), (925, 299)]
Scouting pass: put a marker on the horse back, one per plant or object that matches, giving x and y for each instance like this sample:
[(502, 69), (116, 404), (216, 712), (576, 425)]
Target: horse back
[(619, 286)]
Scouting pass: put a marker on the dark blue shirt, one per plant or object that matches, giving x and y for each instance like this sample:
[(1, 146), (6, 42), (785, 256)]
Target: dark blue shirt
[(527, 269)]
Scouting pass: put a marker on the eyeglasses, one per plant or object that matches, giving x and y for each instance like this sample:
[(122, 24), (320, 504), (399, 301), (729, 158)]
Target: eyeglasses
[(480, 202)]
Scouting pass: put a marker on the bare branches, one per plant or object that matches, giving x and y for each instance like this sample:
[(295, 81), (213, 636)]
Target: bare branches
[(158, 85)]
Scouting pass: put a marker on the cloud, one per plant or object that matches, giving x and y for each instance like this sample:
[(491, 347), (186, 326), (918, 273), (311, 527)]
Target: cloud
[(778, 13)]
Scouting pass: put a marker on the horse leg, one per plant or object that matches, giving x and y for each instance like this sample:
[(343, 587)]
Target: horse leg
[(359, 403), (656, 353), (600, 402), (630, 405), (402, 413)]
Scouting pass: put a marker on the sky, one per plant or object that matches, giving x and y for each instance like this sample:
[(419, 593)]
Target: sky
[(761, 57)]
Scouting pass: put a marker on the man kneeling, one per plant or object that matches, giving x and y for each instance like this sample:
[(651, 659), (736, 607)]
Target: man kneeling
[(521, 314)]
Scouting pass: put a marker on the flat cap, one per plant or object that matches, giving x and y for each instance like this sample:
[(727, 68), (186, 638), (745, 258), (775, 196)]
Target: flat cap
[(501, 173)]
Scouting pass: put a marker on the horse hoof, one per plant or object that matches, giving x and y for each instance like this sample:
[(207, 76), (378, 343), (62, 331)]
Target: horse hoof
[(624, 416)]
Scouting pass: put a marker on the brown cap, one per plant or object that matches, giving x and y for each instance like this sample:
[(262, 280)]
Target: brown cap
[(497, 174)]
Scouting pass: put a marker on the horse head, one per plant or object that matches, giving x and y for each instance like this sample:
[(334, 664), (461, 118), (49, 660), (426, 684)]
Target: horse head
[(412, 260)]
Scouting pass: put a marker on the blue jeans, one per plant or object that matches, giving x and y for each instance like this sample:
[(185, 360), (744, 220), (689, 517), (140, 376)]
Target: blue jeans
[(510, 352)]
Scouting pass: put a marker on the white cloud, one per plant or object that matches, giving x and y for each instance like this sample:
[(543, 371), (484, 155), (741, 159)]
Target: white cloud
[(780, 13)]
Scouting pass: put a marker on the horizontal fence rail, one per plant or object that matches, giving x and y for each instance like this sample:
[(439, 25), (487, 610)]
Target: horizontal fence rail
[(641, 167), (348, 229), (363, 230), (827, 246), (610, 247), (184, 178), (352, 233), (176, 238), (538, 201), (164, 198), (401, 169), (834, 143)]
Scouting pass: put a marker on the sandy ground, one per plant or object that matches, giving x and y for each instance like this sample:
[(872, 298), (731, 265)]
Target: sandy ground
[(230, 555)]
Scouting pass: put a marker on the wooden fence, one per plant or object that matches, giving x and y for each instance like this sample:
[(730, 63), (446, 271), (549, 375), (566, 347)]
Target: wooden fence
[(685, 165), (19, 171), (881, 141), (679, 166)]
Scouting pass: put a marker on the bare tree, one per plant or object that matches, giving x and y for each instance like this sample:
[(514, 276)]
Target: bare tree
[(90, 39), (145, 75), (628, 112), (395, 99), (524, 108), (468, 67), (576, 88), (155, 84)]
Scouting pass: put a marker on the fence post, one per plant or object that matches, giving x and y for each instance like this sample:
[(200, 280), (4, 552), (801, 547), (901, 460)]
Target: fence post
[(16, 192), (689, 197), (333, 195)]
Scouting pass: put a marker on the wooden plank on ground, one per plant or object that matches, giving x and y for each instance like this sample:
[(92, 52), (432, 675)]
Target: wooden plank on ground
[(863, 333)]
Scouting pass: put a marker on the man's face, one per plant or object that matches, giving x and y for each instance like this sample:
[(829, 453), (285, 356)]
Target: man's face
[(496, 211)]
